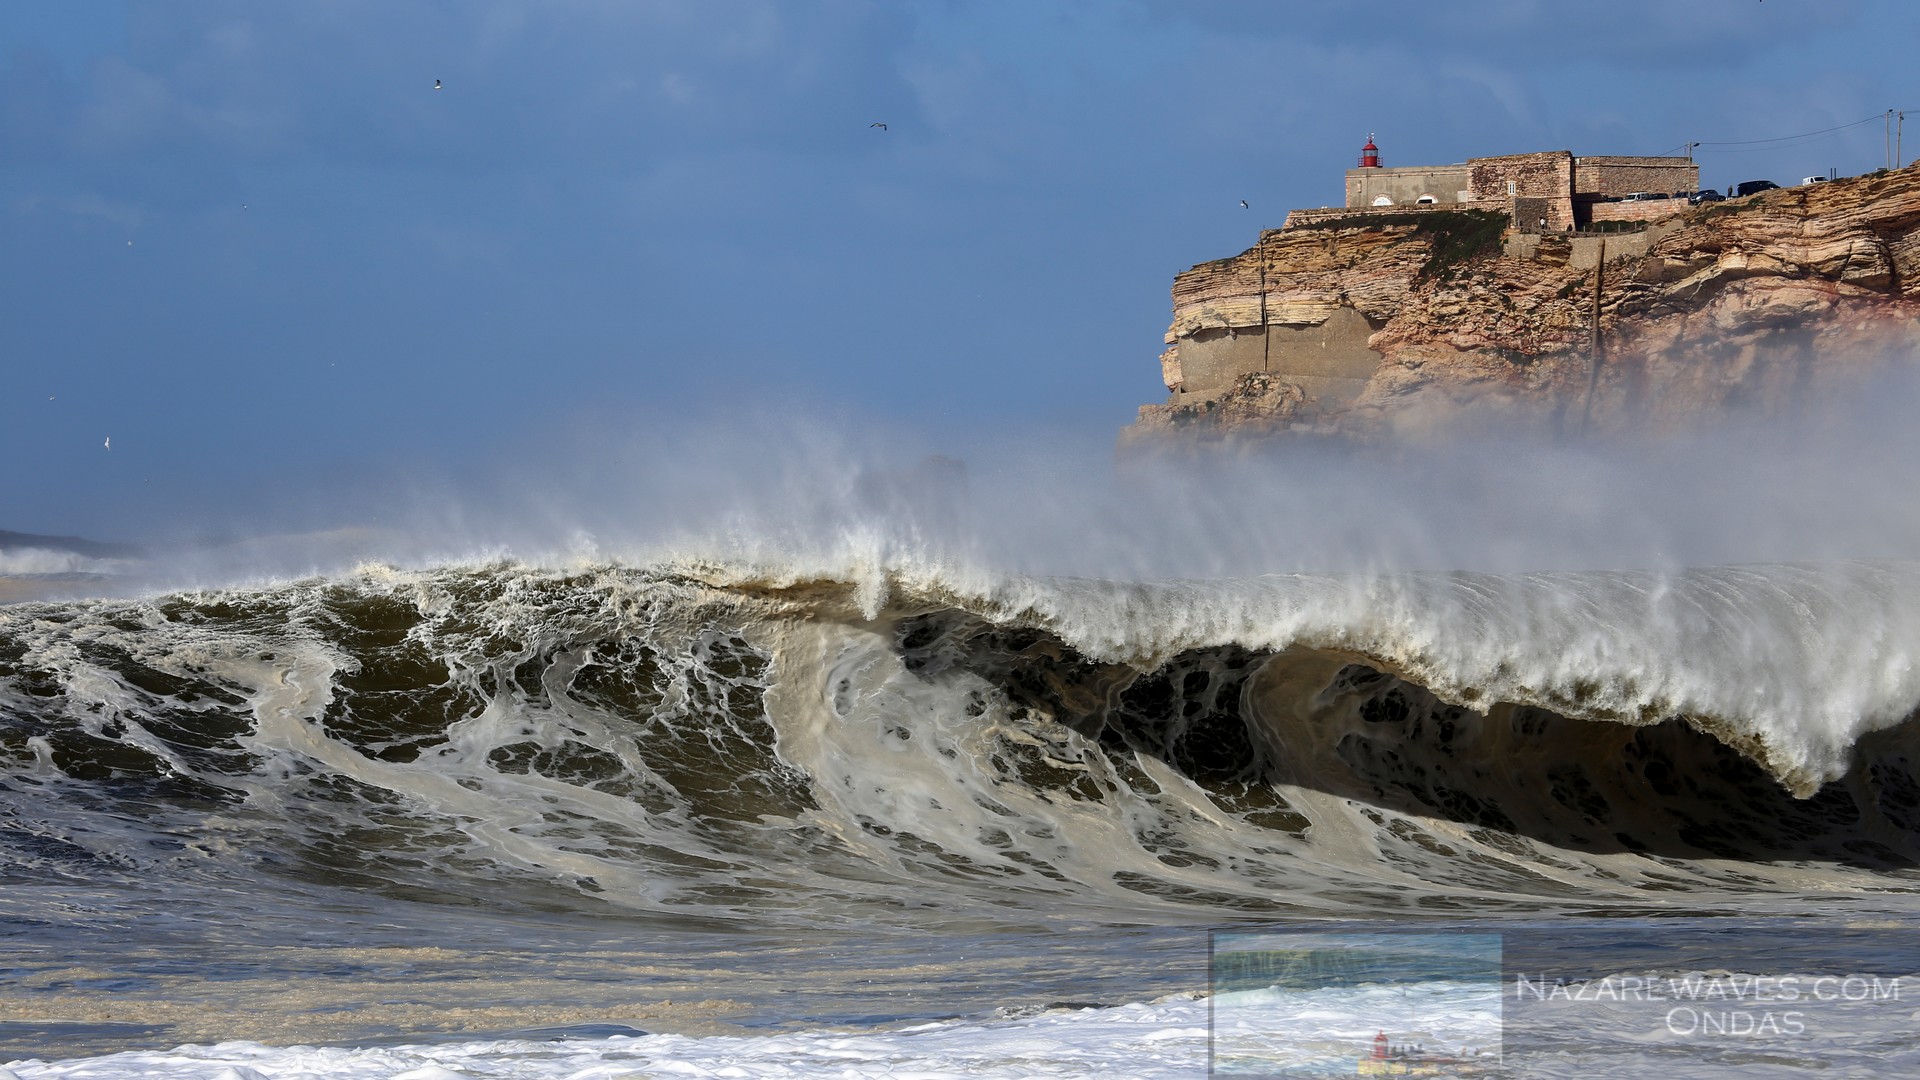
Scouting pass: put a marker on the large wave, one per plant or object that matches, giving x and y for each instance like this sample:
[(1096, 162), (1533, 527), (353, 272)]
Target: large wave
[(771, 742)]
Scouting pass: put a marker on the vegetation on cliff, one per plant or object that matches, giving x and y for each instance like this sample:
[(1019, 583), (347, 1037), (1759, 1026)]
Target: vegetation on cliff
[(1457, 236), (1453, 236)]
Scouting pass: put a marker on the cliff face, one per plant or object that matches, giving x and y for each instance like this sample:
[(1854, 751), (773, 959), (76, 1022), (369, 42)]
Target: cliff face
[(1424, 323)]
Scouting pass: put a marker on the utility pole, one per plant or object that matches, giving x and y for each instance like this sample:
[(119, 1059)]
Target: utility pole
[(1889, 138), (1898, 128), (1596, 344), (1266, 332)]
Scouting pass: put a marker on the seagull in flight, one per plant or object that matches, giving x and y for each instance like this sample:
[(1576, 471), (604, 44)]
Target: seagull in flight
[(109, 442), (1243, 204), (878, 124), (436, 84)]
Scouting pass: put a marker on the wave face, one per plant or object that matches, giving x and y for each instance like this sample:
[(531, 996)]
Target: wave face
[(723, 745)]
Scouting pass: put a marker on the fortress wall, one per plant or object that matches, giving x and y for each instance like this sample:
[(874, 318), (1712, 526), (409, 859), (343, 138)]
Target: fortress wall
[(1297, 219), (1530, 214), (1547, 177), (1650, 210), (1446, 183), (1332, 355), (1613, 177)]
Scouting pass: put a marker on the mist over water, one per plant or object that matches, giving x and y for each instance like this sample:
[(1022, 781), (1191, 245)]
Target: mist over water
[(838, 490)]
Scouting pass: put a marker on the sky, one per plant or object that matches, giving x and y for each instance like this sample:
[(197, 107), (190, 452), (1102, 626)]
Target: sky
[(254, 246)]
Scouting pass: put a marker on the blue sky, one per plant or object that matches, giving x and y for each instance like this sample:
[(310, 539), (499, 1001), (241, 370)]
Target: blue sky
[(251, 243)]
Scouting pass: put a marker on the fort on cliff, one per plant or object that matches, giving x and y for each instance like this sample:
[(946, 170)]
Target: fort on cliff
[(1525, 287), (1545, 192)]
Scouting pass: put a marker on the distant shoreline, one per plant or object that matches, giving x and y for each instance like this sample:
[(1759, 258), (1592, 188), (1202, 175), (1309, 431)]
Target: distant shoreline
[(70, 582), (73, 545), (31, 588)]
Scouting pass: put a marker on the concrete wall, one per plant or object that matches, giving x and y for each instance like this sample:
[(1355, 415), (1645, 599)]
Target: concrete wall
[(1331, 361), (1612, 177), (1587, 250), (1582, 252), (1447, 184)]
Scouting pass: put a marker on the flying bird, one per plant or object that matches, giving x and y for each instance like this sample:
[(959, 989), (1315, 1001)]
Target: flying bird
[(878, 124), (436, 84), (1243, 204), (109, 442)]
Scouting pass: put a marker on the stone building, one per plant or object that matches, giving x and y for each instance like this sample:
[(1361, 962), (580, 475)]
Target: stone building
[(1550, 191)]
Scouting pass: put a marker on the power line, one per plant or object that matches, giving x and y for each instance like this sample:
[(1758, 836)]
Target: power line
[(1804, 135), (1779, 142), (1764, 149)]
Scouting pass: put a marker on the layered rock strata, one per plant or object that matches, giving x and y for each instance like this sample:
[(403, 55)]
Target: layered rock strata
[(1427, 323)]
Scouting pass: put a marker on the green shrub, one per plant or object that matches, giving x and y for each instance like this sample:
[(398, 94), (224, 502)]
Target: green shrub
[(1368, 222), (1457, 236)]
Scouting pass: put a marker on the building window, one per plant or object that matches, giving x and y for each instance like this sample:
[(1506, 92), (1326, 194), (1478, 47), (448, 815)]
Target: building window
[(1382, 200), (1426, 200)]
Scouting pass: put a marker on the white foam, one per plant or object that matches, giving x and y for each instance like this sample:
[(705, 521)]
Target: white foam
[(1149, 1041)]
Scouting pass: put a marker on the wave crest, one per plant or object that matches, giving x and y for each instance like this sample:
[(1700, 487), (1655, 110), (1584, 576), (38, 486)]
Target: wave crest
[(728, 743)]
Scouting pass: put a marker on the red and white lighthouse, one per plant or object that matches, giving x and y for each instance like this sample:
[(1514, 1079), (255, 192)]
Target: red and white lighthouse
[(1369, 154)]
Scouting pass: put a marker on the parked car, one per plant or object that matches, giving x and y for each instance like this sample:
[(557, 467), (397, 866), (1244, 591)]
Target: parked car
[(1805, 180), (1641, 196), (1707, 196), (1753, 187)]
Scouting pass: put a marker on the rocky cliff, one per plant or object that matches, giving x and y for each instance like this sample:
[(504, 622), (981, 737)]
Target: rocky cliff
[(1424, 323)]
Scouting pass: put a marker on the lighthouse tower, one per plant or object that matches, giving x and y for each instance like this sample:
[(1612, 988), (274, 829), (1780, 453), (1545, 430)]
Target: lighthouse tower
[(1369, 154), (1380, 1047)]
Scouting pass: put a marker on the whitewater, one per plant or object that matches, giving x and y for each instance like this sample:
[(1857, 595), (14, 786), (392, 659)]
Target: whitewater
[(879, 764)]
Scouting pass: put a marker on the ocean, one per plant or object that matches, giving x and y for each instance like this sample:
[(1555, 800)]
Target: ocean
[(838, 808)]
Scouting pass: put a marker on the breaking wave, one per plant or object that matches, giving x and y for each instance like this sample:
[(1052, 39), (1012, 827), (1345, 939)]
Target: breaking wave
[(728, 743)]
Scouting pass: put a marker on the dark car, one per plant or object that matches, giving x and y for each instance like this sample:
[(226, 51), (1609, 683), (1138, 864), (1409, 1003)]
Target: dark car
[(1707, 196), (1754, 187)]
